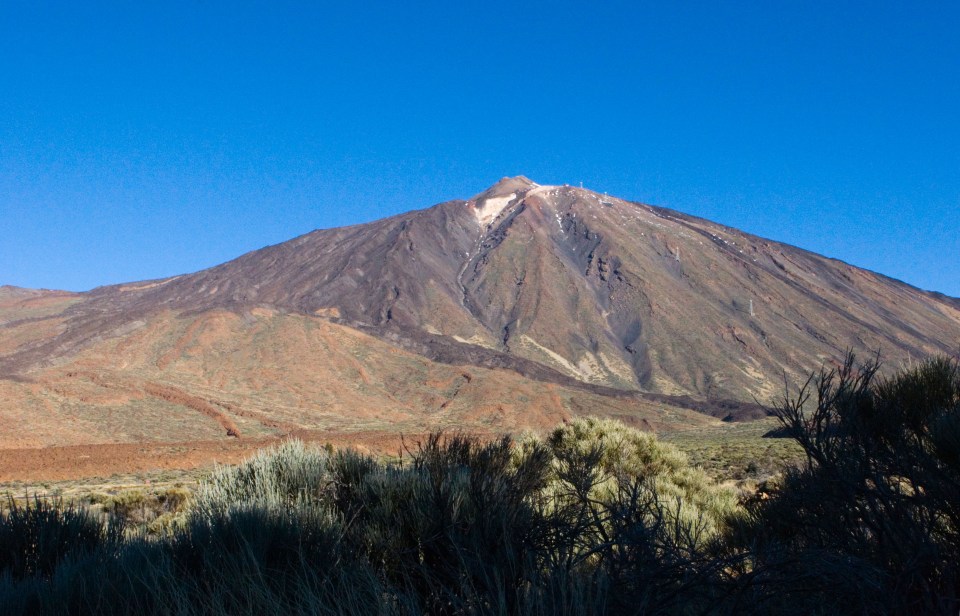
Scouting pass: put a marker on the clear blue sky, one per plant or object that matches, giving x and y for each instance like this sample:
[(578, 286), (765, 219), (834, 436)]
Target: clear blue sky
[(141, 140)]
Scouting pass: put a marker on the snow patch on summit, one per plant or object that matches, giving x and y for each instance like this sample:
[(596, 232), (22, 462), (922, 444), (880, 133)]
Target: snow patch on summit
[(490, 208)]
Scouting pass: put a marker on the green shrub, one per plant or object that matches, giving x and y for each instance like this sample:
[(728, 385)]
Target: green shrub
[(625, 455), (289, 475), (633, 517)]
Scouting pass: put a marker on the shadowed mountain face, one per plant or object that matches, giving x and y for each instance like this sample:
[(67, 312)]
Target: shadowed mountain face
[(558, 283)]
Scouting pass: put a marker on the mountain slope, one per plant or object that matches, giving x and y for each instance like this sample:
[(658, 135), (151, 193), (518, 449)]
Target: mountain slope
[(598, 289), (219, 374)]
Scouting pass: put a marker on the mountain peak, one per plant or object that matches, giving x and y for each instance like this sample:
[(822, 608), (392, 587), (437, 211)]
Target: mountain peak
[(507, 186), (488, 204)]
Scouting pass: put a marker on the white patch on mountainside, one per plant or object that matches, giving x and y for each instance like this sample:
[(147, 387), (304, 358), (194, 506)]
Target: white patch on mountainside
[(538, 189), (490, 208), (558, 359)]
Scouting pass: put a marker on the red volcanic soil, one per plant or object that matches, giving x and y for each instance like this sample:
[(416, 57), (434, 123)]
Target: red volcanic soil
[(86, 461)]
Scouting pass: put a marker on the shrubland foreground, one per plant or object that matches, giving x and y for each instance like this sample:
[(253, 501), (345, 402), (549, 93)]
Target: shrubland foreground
[(594, 518)]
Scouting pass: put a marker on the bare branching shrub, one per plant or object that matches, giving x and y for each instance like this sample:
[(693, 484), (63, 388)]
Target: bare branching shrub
[(871, 522)]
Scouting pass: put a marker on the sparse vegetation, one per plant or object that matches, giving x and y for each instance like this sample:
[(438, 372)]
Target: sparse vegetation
[(595, 518), (744, 453)]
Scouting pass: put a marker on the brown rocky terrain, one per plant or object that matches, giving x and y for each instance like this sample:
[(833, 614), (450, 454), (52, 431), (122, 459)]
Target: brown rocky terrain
[(517, 308)]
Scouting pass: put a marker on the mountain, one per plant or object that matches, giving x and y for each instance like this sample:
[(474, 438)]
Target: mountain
[(613, 306)]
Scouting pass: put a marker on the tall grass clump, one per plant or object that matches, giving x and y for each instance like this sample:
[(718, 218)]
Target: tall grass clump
[(260, 538), (455, 529), (37, 535)]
